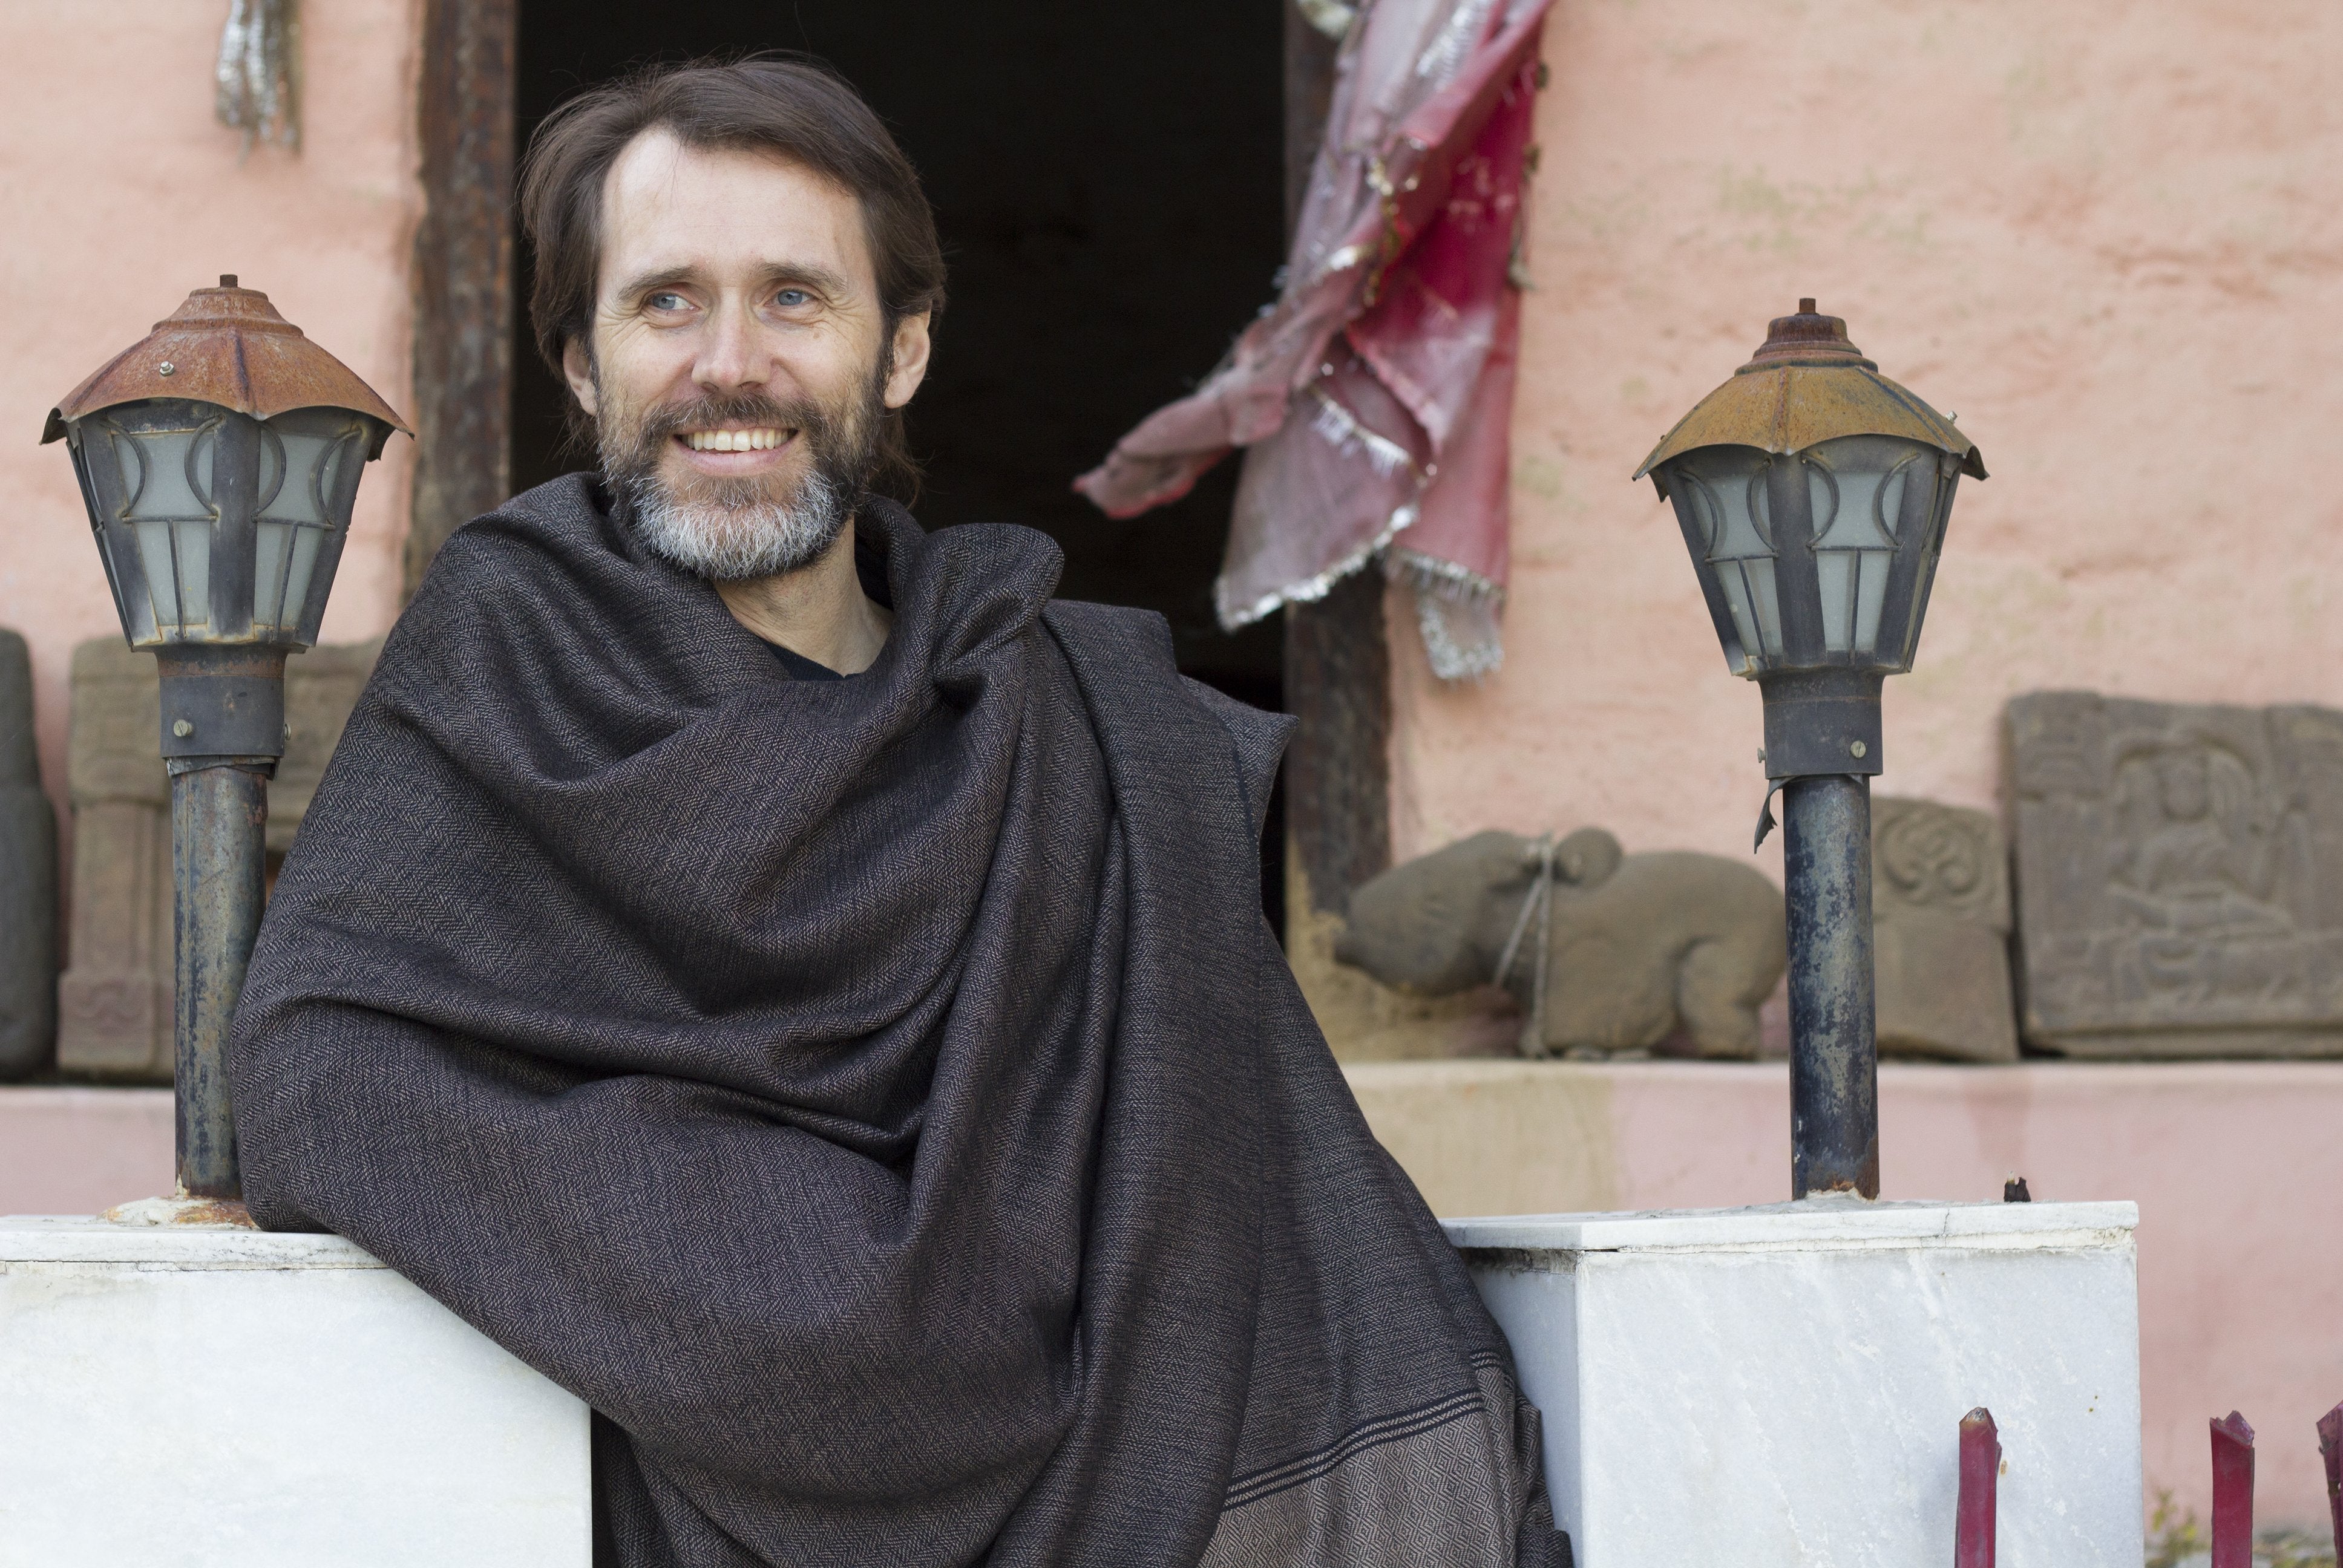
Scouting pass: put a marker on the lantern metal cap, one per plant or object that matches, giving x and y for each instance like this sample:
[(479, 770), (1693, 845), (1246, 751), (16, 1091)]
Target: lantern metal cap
[(1808, 384), (225, 346)]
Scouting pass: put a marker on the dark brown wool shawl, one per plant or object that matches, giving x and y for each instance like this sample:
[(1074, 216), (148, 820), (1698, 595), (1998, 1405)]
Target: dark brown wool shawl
[(882, 1100)]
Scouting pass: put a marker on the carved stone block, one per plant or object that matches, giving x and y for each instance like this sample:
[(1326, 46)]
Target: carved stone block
[(115, 1001), (28, 879), (321, 688), (2179, 876), (1940, 906)]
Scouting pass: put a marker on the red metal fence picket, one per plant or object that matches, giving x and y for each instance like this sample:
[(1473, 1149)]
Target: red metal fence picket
[(1973, 1539), (2233, 1492)]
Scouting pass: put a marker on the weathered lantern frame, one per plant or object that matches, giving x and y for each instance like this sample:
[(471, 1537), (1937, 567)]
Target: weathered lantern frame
[(1813, 496), (219, 461)]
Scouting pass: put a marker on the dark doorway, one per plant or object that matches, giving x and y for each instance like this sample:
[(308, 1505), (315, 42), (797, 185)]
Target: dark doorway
[(1108, 178)]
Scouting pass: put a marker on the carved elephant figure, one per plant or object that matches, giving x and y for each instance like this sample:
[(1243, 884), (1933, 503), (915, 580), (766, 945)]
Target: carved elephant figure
[(1637, 945)]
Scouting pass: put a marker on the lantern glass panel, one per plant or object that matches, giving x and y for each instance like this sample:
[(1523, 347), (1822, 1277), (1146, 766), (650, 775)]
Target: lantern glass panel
[(302, 457), (167, 476), (1855, 486), (1725, 487)]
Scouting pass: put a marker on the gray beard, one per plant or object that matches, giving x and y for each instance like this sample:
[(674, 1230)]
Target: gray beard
[(732, 543)]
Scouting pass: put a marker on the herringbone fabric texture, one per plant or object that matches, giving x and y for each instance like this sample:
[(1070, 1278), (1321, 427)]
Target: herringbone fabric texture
[(882, 1100)]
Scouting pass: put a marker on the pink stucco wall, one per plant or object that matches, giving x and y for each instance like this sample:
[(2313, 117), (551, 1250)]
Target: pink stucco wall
[(120, 194), (2100, 233)]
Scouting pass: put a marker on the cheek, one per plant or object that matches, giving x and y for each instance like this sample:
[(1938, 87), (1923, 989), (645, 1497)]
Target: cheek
[(638, 370), (833, 368)]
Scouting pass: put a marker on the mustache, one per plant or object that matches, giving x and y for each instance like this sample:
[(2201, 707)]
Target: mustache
[(800, 414)]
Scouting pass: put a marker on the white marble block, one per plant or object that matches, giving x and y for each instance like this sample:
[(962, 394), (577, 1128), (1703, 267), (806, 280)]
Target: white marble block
[(179, 1395), (1781, 1387)]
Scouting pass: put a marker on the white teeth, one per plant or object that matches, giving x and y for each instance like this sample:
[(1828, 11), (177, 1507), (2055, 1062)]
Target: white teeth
[(762, 440)]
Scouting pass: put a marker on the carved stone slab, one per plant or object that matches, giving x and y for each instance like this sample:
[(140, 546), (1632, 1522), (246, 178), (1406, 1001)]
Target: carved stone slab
[(114, 1002), (1940, 904), (2180, 877)]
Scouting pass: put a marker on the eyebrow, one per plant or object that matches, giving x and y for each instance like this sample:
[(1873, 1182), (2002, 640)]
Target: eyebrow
[(820, 279)]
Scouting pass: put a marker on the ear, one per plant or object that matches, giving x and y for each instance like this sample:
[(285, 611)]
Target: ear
[(1588, 857), (909, 366), (577, 369)]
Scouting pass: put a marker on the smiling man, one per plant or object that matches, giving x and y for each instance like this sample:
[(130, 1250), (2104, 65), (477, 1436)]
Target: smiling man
[(805, 990)]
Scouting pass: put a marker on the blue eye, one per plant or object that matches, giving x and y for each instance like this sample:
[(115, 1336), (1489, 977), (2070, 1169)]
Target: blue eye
[(666, 299), (790, 298)]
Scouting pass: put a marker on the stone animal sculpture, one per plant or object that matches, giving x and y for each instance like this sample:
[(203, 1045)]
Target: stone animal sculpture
[(1636, 947)]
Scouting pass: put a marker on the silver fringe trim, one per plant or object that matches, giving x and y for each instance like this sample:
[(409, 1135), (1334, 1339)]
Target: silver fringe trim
[(1310, 589), (1457, 613), (1444, 57), (1340, 429), (258, 77)]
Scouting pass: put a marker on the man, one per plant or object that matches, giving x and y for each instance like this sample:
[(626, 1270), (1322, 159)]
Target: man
[(806, 992)]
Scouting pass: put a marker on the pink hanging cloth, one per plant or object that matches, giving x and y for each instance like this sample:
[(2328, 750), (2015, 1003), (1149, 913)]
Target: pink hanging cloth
[(1376, 394)]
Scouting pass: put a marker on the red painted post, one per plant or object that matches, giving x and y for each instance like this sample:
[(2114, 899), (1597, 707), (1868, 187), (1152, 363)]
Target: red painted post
[(2233, 1492), (2330, 1449), (1980, 1480)]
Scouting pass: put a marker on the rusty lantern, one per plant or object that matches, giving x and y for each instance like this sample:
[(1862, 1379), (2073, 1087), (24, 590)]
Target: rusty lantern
[(219, 459), (1813, 494)]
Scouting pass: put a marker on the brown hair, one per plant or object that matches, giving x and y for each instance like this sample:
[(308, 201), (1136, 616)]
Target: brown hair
[(794, 106)]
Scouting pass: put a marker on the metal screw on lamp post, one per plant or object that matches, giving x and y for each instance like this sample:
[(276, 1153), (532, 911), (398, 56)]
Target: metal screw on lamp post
[(219, 459), (1813, 493)]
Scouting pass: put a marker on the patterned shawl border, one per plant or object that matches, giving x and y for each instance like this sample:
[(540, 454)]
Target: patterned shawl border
[(1376, 1434)]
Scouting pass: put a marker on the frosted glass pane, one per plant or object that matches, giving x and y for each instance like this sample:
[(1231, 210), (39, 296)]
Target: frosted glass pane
[(1743, 533), (272, 472), (1834, 570), (268, 563), (131, 464), (195, 570), (1856, 523), (309, 465), (306, 542), (159, 484), (1759, 574), (1887, 504), (162, 574), (1744, 616), (1731, 484), (1871, 594)]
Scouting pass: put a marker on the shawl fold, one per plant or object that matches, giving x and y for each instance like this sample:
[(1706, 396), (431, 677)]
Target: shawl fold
[(1374, 396), (880, 1099)]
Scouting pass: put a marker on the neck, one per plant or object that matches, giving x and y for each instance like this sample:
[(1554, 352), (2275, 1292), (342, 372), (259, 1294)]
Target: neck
[(817, 611)]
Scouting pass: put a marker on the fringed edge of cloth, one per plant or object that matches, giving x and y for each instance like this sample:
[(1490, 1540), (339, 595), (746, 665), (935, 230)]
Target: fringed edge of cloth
[(1457, 612)]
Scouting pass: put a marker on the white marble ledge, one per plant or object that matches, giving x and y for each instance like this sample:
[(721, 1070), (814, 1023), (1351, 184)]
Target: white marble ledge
[(1813, 1224), (81, 1239)]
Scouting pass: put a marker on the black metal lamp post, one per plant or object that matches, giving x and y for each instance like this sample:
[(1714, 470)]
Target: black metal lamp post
[(1813, 493), (219, 459)]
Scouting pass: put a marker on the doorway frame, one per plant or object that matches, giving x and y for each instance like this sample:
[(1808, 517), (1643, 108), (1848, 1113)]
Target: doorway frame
[(1337, 656)]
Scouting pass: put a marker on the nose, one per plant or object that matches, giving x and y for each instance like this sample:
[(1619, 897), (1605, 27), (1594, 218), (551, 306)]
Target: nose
[(733, 353)]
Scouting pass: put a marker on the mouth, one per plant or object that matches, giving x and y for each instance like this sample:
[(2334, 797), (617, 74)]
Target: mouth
[(735, 450)]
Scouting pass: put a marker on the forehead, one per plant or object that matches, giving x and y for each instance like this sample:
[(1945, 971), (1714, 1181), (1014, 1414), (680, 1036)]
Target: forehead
[(724, 214)]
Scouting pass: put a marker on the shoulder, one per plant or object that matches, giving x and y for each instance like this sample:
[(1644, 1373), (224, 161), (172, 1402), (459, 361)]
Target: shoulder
[(514, 588), (1126, 660), (563, 519)]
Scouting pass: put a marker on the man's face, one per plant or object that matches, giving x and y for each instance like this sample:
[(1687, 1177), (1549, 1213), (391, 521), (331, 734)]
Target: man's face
[(741, 362)]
